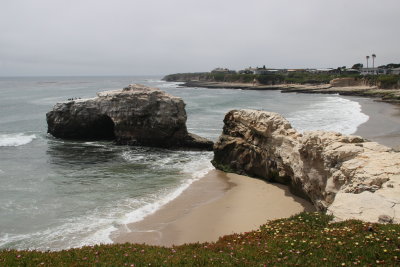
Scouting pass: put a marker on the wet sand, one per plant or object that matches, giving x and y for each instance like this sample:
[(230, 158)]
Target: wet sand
[(217, 205), (383, 125)]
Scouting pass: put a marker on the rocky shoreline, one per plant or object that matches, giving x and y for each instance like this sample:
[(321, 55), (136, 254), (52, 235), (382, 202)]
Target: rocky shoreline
[(348, 176), (384, 95)]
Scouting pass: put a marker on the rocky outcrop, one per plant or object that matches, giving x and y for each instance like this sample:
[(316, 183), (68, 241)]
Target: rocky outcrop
[(347, 176), (135, 115), (346, 82), (374, 82)]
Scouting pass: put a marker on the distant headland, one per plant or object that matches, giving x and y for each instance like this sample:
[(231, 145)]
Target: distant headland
[(382, 82)]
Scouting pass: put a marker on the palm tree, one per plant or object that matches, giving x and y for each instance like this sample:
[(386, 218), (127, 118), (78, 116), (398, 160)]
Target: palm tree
[(373, 62), (367, 64)]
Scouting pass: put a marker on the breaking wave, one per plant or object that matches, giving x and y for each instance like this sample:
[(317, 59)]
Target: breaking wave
[(18, 139)]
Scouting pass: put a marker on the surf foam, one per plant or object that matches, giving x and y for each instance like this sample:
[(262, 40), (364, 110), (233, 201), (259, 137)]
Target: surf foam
[(195, 168), (18, 139), (334, 114), (97, 226)]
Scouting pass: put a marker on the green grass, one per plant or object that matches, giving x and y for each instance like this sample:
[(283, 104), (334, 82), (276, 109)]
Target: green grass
[(308, 239)]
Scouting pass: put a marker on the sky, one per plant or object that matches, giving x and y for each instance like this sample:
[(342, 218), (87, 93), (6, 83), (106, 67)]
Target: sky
[(158, 37)]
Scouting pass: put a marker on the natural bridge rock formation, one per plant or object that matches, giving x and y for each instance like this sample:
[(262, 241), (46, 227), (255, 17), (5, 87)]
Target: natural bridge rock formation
[(348, 176), (135, 115)]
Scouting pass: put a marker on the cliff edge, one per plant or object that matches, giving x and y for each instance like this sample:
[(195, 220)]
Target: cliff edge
[(347, 176), (135, 115)]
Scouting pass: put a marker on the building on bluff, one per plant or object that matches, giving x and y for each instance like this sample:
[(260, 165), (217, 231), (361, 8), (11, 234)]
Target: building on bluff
[(135, 115)]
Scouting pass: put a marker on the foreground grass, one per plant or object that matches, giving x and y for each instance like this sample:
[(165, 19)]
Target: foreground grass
[(308, 239)]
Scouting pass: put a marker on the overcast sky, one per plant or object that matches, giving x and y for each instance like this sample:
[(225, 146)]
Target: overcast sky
[(132, 37)]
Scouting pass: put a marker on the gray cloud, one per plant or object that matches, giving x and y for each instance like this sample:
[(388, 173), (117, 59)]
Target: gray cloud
[(128, 37)]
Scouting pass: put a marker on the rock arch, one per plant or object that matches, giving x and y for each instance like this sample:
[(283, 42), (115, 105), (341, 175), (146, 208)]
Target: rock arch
[(135, 115), (102, 127)]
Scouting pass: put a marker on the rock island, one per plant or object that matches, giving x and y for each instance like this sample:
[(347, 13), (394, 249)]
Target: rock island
[(135, 115)]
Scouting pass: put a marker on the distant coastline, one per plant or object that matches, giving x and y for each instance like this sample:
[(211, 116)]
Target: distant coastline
[(348, 85)]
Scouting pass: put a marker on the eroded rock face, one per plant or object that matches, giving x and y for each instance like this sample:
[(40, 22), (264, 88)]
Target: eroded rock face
[(135, 115), (346, 82), (348, 176)]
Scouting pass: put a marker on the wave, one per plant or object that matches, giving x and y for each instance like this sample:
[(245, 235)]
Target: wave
[(170, 84), (64, 236), (98, 225), (334, 114), (196, 168), (17, 139)]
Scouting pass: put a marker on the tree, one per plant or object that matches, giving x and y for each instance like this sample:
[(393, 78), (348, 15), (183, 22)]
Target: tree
[(357, 66), (367, 57), (373, 62), (392, 66)]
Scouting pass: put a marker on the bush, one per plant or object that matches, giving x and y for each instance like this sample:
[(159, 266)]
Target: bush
[(388, 81)]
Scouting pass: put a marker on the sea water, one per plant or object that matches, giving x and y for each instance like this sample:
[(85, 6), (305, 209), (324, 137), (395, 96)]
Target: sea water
[(57, 194)]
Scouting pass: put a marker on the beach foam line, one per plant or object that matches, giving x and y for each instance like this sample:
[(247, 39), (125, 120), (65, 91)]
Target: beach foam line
[(170, 84), (334, 114), (150, 208), (65, 236), (16, 139)]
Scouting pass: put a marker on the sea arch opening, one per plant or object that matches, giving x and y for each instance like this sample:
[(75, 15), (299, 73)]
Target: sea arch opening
[(102, 128)]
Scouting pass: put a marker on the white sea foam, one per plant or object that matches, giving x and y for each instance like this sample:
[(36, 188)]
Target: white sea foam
[(196, 165), (170, 84), (84, 231), (17, 139), (162, 199), (95, 144), (97, 226), (334, 114)]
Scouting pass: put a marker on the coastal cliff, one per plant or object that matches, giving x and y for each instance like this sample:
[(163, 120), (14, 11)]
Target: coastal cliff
[(347, 176), (135, 115), (385, 87)]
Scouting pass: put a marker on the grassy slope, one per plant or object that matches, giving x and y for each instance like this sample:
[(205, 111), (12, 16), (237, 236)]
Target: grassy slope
[(305, 240)]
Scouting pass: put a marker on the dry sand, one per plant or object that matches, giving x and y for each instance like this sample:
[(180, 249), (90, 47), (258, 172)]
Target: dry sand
[(217, 205)]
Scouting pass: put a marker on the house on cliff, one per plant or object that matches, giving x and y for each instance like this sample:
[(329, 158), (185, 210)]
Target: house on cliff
[(373, 71), (259, 71), (395, 71)]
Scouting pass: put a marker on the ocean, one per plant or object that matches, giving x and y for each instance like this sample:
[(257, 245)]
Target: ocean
[(57, 194)]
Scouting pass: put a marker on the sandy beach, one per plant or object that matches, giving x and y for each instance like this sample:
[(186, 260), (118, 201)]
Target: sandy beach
[(224, 203), (383, 125), (217, 205)]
